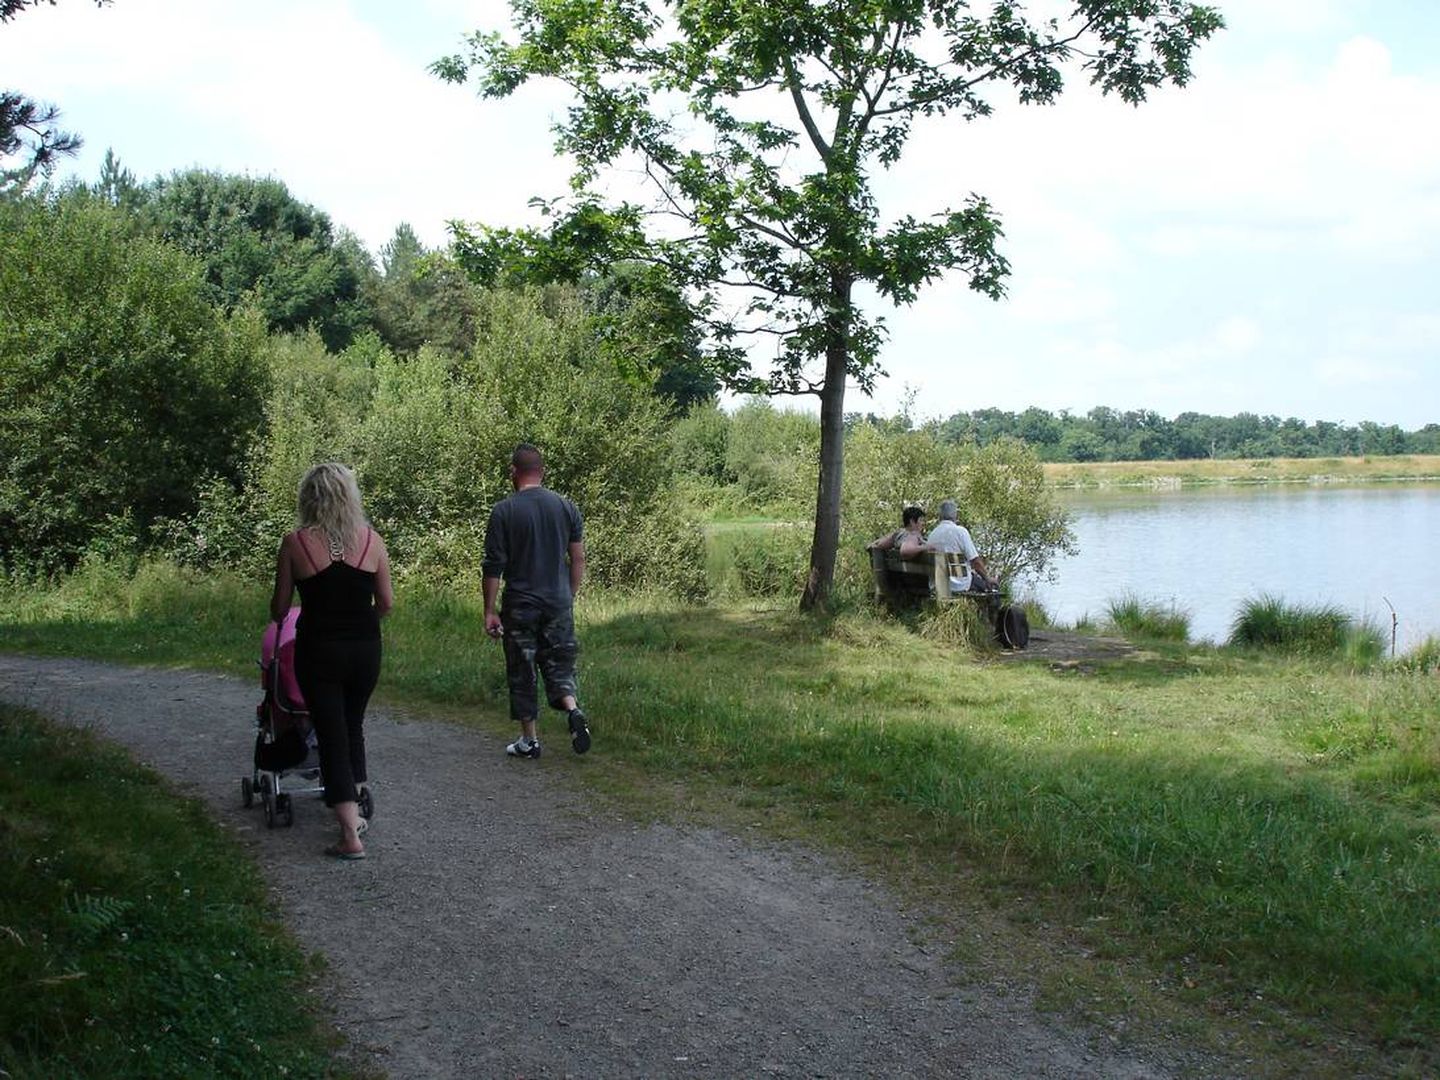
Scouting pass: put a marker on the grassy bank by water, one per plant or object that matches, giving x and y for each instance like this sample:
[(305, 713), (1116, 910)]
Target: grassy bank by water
[(136, 940), (1100, 474), (1244, 838)]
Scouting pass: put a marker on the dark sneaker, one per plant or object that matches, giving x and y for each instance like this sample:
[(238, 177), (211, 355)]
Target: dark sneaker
[(579, 731), (523, 747)]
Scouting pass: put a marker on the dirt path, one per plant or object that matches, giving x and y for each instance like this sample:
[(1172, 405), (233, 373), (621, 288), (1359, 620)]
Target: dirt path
[(503, 927)]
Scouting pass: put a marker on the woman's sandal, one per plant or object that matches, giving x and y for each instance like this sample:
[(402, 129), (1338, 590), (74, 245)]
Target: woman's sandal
[(335, 851)]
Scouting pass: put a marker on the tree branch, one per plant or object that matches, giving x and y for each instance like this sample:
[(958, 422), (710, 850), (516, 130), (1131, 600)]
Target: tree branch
[(802, 109)]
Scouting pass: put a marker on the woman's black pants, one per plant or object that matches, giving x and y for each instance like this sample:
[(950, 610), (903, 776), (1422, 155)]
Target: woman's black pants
[(337, 678)]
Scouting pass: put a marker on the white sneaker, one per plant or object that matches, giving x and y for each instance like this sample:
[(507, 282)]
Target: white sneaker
[(523, 747)]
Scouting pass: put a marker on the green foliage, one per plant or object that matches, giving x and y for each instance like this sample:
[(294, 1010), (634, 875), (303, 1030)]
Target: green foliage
[(137, 939), (1364, 645), (259, 243), (1013, 517), (30, 141), (1148, 619), (430, 436), (700, 443), (771, 455), (121, 389), (421, 298), (647, 328)]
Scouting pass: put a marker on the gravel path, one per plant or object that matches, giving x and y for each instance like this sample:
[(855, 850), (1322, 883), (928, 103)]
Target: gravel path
[(502, 926)]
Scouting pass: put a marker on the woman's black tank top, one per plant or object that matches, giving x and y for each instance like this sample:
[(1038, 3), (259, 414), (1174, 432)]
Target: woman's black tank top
[(338, 604)]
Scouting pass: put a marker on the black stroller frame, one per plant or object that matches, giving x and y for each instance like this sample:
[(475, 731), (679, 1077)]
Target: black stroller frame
[(268, 785)]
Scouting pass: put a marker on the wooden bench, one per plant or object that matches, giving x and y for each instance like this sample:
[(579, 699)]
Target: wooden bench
[(906, 583)]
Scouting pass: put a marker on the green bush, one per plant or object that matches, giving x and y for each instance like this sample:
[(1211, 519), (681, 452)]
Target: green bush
[(430, 438), (700, 442), (121, 389), (1016, 522)]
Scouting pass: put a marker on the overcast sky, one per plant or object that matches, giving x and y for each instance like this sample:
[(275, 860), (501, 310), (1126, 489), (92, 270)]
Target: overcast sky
[(1265, 240)]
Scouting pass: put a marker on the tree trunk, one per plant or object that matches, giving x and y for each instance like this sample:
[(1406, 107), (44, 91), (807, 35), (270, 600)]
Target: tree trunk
[(825, 546)]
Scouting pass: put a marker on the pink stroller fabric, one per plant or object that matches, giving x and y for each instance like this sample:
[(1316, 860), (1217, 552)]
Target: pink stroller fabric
[(285, 648)]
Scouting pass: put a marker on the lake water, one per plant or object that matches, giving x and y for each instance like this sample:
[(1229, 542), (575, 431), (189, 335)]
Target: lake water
[(1208, 550)]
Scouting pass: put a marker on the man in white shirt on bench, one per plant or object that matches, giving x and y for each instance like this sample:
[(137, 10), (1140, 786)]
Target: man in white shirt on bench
[(968, 573)]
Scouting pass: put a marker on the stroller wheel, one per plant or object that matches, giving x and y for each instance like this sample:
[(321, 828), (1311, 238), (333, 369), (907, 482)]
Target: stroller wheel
[(366, 803), (284, 810), (247, 792)]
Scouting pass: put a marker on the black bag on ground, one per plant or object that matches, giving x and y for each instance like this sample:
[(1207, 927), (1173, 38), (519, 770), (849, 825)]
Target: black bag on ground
[(1012, 627)]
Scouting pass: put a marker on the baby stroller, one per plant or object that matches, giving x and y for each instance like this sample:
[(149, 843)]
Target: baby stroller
[(285, 741)]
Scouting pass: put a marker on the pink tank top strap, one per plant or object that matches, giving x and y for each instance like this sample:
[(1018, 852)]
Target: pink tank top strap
[(369, 535), (300, 539)]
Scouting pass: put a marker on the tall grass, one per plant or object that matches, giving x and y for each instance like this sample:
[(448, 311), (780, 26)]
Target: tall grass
[(1148, 619), (1269, 622), (136, 940)]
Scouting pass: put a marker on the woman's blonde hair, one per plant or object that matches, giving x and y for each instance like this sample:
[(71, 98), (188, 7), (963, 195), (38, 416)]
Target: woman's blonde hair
[(329, 500)]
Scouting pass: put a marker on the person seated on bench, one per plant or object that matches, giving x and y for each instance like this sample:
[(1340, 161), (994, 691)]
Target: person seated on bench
[(969, 573), (909, 541)]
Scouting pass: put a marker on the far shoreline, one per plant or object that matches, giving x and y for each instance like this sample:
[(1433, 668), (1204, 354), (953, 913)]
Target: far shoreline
[(1213, 472)]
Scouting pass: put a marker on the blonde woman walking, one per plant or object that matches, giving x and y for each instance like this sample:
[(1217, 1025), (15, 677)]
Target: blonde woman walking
[(339, 564)]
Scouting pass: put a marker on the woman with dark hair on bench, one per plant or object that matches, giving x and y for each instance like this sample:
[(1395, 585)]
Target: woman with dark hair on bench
[(909, 541)]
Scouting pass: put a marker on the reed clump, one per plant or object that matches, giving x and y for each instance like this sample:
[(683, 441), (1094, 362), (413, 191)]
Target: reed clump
[(1135, 617), (1270, 622)]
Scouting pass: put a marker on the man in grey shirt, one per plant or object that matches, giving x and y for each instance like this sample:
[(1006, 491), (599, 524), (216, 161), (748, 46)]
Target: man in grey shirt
[(535, 543)]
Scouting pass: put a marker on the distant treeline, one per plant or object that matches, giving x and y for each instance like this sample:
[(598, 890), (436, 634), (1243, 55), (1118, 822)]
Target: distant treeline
[(1105, 434)]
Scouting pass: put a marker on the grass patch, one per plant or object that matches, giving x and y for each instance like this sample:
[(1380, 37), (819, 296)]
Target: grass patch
[(1148, 620), (136, 940), (1246, 822)]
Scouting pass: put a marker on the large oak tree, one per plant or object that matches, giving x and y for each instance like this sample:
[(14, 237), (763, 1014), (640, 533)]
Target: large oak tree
[(760, 123)]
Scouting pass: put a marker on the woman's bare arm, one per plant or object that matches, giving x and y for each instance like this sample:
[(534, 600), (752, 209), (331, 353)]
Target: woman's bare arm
[(384, 590), (284, 582)]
